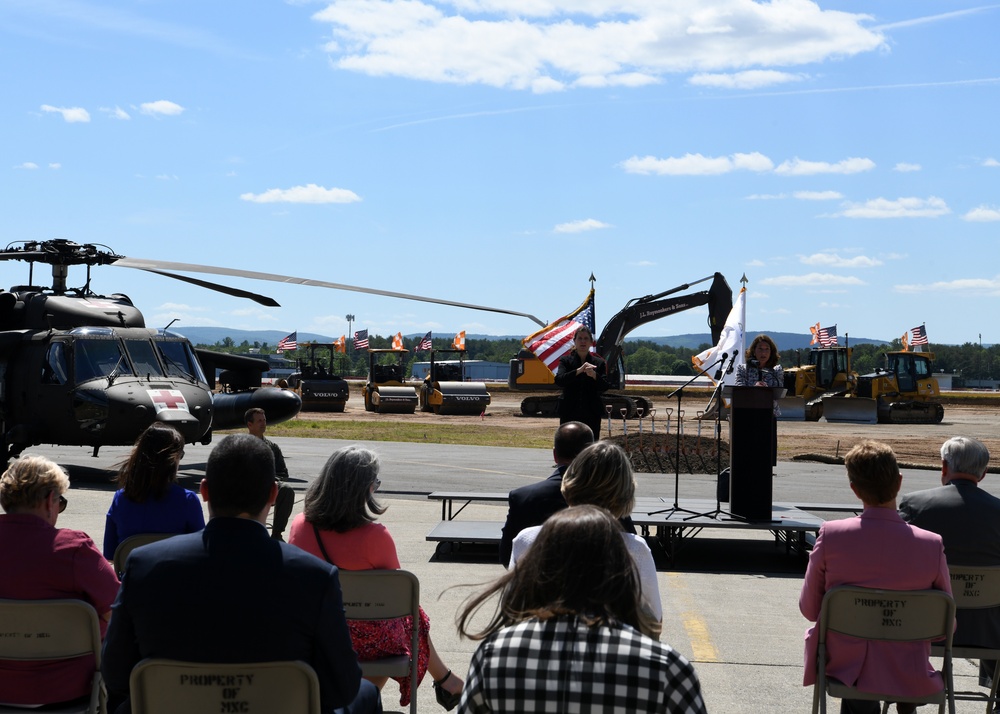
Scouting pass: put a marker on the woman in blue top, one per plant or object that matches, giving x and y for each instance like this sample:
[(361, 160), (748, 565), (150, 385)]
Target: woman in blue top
[(149, 499)]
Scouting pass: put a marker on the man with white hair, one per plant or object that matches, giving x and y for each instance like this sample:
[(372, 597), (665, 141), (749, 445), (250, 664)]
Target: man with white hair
[(968, 520)]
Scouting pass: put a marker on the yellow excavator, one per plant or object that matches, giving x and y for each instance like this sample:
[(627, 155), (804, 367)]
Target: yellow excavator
[(527, 372)]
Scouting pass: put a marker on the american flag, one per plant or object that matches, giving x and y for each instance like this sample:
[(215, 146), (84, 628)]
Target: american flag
[(425, 344), (289, 343), (361, 340), (827, 336), (553, 341), (919, 336)]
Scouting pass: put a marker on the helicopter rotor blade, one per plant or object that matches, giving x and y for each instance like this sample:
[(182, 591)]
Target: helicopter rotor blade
[(235, 292), (152, 265)]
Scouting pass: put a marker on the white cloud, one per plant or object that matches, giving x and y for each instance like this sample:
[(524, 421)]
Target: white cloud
[(643, 264), (116, 113), (55, 166), (818, 195), (161, 107), (697, 165), (982, 214), (69, 114), (812, 280), (766, 197), (27, 165), (978, 286), (750, 79), (910, 207), (310, 193), (834, 260), (798, 167), (551, 45), (589, 224), (991, 163), (906, 168)]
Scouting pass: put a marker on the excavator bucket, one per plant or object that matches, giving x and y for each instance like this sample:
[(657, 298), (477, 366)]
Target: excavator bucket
[(858, 410)]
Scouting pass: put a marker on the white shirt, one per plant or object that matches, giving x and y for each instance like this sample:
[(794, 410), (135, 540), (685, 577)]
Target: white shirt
[(640, 554)]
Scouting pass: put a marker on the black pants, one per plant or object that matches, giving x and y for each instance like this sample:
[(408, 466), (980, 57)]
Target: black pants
[(282, 510)]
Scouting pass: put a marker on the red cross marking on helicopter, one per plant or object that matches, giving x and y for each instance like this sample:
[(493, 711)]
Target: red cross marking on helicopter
[(167, 399)]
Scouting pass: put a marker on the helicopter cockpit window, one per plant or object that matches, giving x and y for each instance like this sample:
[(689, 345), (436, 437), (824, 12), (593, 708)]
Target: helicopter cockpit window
[(144, 358), (180, 360), (55, 370), (99, 358)]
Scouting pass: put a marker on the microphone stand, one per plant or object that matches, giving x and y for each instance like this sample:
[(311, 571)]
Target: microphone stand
[(717, 396), (676, 508)]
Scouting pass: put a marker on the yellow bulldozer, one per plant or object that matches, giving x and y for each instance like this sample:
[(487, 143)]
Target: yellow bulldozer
[(903, 391)]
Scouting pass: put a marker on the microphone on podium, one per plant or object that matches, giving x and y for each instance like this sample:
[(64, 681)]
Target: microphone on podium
[(722, 362)]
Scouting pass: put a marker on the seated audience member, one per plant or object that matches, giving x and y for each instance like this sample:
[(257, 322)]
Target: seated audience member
[(565, 634), (530, 505), (41, 562), (874, 550), (338, 525), (230, 593), (968, 520), (602, 476), (149, 499)]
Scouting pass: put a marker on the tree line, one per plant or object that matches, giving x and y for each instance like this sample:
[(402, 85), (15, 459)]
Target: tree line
[(969, 361)]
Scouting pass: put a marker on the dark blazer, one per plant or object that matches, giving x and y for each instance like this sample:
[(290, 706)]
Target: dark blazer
[(968, 520), (581, 397), (529, 506), (230, 593)]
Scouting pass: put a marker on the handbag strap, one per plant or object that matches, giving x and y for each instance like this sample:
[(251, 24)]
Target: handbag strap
[(322, 548)]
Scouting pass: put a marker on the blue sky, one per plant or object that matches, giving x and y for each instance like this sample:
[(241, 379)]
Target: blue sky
[(843, 156)]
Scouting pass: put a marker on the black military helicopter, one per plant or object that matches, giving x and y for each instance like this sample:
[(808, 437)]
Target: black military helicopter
[(77, 368)]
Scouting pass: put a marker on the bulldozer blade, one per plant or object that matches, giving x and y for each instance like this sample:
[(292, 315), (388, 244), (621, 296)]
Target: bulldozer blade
[(792, 409), (858, 410)]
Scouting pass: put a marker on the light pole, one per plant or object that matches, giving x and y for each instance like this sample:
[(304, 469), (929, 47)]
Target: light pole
[(350, 333)]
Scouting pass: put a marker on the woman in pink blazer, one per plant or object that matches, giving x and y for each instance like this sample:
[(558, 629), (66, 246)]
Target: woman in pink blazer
[(874, 550)]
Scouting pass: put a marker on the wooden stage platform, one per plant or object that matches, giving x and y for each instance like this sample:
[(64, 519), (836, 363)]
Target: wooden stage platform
[(792, 524)]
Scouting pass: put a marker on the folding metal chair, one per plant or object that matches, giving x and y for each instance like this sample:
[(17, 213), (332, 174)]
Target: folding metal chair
[(46, 630), (130, 544), (384, 595), (163, 686), (975, 588), (916, 616)]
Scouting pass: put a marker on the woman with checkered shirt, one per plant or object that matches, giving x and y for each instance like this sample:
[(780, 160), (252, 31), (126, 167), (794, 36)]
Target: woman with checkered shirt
[(565, 636)]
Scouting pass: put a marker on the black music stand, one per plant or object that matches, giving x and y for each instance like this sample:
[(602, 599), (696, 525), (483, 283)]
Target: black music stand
[(676, 508), (751, 457)]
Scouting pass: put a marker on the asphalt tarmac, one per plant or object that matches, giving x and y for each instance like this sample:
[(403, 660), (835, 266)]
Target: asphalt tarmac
[(730, 603)]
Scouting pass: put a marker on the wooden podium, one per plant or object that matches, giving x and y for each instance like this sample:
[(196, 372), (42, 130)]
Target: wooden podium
[(751, 456)]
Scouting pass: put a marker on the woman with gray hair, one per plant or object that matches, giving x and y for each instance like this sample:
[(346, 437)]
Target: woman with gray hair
[(601, 475), (42, 562), (338, 524)]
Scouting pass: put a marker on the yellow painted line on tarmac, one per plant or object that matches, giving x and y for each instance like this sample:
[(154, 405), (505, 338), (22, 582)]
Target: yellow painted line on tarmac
[(702, 647)]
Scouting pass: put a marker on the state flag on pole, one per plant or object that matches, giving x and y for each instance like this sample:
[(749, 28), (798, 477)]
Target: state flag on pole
[(919, 336), (827, 336), (730, 341), (397, 341), (459, 342), (554, 340), (341, 344), (425, 344), (289, 342), (361, 340)]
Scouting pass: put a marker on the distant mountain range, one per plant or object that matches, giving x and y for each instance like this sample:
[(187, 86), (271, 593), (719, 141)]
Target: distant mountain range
[(212, 335)]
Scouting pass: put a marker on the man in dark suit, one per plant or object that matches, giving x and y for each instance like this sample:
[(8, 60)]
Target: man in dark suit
[(530, 505), (968, 520), (232, 594)]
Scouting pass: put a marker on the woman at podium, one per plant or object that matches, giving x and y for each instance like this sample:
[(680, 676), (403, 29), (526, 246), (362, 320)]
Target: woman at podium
[(762, 370)]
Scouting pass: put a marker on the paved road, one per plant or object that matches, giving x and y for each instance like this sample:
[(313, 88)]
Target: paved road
[(729, 605)]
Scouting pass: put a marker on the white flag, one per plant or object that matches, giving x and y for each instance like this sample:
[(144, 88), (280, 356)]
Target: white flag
[(731, 340)]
